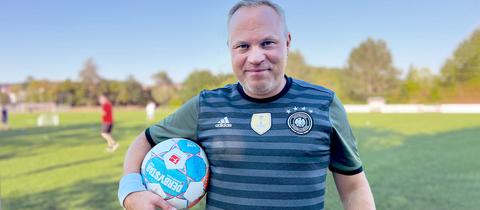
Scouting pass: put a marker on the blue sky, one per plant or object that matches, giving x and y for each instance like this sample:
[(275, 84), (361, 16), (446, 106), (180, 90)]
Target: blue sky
[(51, 39)]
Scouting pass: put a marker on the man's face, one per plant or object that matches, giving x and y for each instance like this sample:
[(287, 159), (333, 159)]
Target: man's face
[(102, 99), (259, 47)]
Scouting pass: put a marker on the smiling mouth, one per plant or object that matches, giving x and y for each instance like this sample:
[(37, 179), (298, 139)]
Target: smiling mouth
[(256, 70)]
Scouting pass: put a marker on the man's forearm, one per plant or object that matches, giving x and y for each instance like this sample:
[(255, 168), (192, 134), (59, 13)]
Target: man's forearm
[(360, 198), (135, 154), (354, 191)]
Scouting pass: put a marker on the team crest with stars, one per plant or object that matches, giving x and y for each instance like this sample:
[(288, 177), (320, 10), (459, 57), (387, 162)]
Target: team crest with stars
[(300, 121)]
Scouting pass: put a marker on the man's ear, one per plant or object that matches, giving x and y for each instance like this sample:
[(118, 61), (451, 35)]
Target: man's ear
[(289, 40)]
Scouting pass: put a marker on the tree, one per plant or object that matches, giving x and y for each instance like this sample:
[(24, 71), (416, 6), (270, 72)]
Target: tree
[(329, 77), (460, 75), (370, 70), (65, 92), (90, 79), (4, 99), (113, 89), (164, 89), (297, 67), (464, 65), (131, 92), (36, 90), (197, 81), (419, 85), (225, 79), (128, 92), (162, 78)]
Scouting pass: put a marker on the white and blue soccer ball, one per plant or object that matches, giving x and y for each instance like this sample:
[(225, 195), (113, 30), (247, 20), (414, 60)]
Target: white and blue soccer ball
[(177, 170)]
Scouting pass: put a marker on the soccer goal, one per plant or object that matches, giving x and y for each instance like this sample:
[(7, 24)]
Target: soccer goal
[(48, 119)]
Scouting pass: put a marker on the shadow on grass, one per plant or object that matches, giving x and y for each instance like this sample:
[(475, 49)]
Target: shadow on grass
[(65, 165), (12, 133), (27, 141), (419, 171), (85, 194), (422, 171), (39, 136)]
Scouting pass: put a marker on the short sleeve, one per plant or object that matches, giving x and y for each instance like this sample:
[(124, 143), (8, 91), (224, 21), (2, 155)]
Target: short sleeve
[(180, 124), (344, 158)]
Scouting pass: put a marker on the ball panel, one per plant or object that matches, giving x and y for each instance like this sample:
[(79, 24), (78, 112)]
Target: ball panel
[(188, 146), (175, 159), (196, 168), (194, 191), (155, 167), (174, 183), (178, 203), (163, 146), (157, 189)]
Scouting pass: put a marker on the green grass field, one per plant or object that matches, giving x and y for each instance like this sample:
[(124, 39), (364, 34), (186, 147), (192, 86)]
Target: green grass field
[(415, 161)]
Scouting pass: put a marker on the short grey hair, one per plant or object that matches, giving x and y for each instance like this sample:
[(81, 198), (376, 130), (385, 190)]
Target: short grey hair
[(256, 3)]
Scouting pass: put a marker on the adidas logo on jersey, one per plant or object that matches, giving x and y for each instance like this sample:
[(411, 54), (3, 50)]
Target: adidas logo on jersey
[(223, 123)]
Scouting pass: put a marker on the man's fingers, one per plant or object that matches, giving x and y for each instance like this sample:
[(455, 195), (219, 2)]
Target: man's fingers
[(159, 202)]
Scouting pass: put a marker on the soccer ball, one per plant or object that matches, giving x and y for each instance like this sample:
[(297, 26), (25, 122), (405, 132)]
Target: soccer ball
[(177, 170)]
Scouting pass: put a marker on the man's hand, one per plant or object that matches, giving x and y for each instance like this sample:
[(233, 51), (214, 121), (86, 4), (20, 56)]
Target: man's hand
[(145, 200)]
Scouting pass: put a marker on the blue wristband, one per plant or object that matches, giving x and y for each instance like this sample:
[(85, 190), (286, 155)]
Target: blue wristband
[(128, 184)]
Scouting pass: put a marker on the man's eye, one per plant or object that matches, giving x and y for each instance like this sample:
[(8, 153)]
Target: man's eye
[(267, 43), (241, 46)]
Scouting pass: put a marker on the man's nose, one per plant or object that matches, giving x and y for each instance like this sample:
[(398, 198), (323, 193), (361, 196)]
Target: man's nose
[(256, 56)]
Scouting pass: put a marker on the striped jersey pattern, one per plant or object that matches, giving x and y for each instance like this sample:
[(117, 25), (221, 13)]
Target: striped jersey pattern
[(279, 169)]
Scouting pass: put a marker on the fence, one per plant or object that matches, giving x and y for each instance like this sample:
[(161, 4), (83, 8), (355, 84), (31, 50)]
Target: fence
[(414, 108)]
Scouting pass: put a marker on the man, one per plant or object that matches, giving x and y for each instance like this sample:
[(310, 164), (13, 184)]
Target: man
[(150, 110), (107, 123), (269, 138), (4, 118)]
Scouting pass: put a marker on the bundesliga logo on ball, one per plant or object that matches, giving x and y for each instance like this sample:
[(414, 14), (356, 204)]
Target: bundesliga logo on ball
[(177, 170)]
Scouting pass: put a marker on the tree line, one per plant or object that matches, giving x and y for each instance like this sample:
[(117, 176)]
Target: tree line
[(370, 72)]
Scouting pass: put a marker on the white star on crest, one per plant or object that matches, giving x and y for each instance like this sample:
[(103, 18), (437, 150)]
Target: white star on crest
[(311, 111), (295, 108), (303, 108), (288, 111)]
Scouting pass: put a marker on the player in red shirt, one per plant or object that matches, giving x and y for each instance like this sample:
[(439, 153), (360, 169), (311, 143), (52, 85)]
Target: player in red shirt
[(107, 123)]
